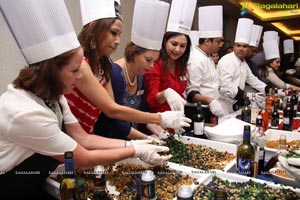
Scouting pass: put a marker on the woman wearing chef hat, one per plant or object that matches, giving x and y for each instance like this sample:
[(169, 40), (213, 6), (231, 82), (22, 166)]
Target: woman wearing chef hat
[(37, 126), (272, 64), (166, 81), (127, 73), (99, 37)]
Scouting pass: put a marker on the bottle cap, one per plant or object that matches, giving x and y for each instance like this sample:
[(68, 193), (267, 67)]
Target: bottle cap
[(148, 175), (185, 191)]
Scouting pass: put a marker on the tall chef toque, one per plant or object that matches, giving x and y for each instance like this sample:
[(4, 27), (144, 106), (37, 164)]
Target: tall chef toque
[(92, 10), (194, 36), (149, 23), (243, 31), (271, 49), (271, 35), (181, 16), (210, 21), (288, 46), (255, 35), (42, 29)]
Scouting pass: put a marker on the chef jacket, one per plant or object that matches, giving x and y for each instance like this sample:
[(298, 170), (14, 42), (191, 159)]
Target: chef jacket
[(234, 73), (202, 75)]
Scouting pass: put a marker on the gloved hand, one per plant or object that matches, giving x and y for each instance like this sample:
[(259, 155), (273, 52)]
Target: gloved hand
[(216, 108), (164, 134), (157, 140), (174, 119), (149, 153), (291, 165), (175, 101)]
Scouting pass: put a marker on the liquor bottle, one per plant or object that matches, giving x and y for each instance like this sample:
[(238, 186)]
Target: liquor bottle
[(198, 121), (275, 118), (148, 185), (276, 99), (184, 192), (288, 116), (274, 159), (99, 181), (298, 107), (269, 102), (258, 124), (265, 117), (68, 184), (246, 112), (245, 154), (254, 109), (294, 102)]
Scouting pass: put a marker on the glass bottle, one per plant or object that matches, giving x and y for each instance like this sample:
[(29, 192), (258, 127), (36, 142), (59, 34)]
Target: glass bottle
[(245, 154), (148, 185), (246, 112), (294, 102), (269, 102), (265, 117), (81, 189), (198, 121), (254, 109), (288, 116), (185, 192), (275, 118), (276, 99), (68, 185), (99, 181), (274, 159), (220, 194)]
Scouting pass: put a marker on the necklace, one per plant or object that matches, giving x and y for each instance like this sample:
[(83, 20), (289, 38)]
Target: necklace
[(127, 76)]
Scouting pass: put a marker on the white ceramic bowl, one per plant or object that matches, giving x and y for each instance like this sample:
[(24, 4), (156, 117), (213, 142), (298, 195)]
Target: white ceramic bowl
[(283, 180)]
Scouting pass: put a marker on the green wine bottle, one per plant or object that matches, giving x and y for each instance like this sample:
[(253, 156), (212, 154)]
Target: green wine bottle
[(246, 154)]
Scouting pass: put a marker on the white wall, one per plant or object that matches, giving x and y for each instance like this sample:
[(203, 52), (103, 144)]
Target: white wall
[(12, 60)]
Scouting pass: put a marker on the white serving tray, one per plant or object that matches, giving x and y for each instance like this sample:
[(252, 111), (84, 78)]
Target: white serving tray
[(52, 187), (219, 146), (272, 134), (283, 180)]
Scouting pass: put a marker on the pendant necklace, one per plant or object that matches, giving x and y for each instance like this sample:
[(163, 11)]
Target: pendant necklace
[(127, 76)]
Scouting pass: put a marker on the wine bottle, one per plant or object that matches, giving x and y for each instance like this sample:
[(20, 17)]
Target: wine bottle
[(288, 116), (246, 111), (254, 109), (99, 180), (269, 102), (294, 102), (198, 121), (68, 184), (275, 118), (245, 154), (276, 99), (81, 189), (265, 117), (148, 185)]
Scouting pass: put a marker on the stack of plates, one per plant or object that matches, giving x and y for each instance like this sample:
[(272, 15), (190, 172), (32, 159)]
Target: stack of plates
[(230, 130)]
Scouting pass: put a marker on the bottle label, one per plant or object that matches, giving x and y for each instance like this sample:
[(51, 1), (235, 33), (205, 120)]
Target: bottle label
[(245, 166), (148, 190), (198, 128), (254, 114)]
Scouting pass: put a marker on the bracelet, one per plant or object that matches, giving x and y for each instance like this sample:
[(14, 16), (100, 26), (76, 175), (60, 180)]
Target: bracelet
[(127, 143)]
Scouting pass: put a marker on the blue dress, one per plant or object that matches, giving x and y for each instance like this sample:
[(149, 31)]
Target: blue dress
[(114, 128)]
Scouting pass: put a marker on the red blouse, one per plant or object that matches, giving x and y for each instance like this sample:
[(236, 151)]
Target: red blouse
[(83, 109), (157, 80)]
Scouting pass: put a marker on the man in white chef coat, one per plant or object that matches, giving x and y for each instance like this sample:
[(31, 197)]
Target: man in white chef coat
[(203, 78), (234, 71)]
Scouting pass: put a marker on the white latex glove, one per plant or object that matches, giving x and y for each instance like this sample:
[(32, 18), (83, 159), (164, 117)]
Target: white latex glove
[(149, 153), (216, 108), (286, 163), (164, 134), (175, 101), (174, 119)]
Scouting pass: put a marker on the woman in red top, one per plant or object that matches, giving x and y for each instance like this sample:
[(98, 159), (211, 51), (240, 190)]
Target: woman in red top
[(166, 81)]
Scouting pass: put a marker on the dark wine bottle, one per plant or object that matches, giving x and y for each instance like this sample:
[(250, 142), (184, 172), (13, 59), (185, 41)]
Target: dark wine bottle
[(68, 184), (246, 154), (246, 111), (198, 121)]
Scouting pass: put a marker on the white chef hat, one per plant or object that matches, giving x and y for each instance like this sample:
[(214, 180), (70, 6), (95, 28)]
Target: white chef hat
[(149, 23), (42, 29), (288, 46), (271, 35), (181, 16), (255, 35), (210, 21), (271, 49), (194, 36), (243, 30), (297, 63), (92, 10)]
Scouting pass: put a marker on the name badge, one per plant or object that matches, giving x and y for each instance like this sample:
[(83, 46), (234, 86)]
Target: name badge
[(182, 78), (140, 92)]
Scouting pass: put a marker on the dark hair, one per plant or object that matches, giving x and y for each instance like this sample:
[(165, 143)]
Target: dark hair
[(183, 59), (202, 40), (43, 78), (90, 36), (263, 67), (132, 50)]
